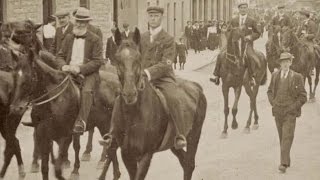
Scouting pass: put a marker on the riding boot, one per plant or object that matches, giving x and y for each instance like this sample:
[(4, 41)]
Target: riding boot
[(85, 107), (216, 72), (180, 140), (252, 81)]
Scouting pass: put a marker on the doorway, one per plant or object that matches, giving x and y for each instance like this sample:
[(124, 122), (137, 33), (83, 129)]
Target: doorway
[(48, 9)]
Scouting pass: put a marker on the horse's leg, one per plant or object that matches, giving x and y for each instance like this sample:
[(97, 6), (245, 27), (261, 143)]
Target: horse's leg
[(316, 80), (256, 116), (225, 91), (45, 147), (111, 157), (36, 153), (130, 163), (143, 166), (63, 144), (13, 125), (76, 147), (250, 94), (86, 156), (237, 92)]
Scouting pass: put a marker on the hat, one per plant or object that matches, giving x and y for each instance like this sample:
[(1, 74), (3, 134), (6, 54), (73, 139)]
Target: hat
[(242, 3), (125, 25), (61, 14), (285, 55), (281, 7), (155, 9), (305, 12), (82, 14)]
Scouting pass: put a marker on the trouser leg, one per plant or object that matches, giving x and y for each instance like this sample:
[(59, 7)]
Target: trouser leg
[(288, 129)]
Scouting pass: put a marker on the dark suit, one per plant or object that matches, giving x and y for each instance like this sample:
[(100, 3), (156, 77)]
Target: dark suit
[(286, 110), (281, 21), (92, 57), (124, 36), (59, 37), (188, 34), (111, 49), (96, 30)]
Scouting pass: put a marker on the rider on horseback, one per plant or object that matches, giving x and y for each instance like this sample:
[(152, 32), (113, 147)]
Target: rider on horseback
[(75, 57), (306, 32), (158, 53), (249, 25)]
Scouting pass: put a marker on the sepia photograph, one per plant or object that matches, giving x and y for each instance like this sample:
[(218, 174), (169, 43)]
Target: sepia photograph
[(159, 89)]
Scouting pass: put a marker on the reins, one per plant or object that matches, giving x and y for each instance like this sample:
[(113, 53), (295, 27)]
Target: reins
[(35, 102)]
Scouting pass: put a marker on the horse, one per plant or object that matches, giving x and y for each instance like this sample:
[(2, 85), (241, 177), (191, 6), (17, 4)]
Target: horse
[(234, 75), (62, 98), (273, 50), (143, 119), (13, 58), (302, 62)]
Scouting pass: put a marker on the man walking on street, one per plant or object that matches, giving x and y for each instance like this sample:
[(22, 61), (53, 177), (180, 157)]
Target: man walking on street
[(286, 94)]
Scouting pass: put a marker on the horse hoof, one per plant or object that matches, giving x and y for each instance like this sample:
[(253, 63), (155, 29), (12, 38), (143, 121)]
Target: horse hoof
[(234, 125), (100, 164), (255, 127), (74, 176), (86, 157), (246, 130), (66, 164), (35, 168), (22, 173), (224, 135)]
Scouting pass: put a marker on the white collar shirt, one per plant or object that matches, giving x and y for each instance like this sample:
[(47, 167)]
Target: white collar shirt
[(242, 19), (65, 28), (154, 33), (127, 33), (77, 55)]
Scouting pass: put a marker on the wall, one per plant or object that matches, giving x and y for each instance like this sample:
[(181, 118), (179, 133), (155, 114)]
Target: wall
[(17, 10)]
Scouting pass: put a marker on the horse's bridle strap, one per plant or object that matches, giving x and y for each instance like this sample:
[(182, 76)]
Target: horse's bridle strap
[(35, 103)]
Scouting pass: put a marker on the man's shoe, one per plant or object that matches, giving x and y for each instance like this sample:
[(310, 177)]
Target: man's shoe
[(180, 142), (106, 140), (79, 127), (215, 80), (282, 168)]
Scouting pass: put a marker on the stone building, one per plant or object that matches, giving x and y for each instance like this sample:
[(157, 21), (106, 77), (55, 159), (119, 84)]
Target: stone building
[(39, 10)]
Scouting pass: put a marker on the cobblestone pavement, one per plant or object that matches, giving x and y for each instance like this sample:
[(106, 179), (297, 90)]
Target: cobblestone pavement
[(239, 157)]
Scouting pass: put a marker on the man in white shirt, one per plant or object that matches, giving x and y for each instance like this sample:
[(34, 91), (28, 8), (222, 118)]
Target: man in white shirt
[(81, 54), (126, 34)]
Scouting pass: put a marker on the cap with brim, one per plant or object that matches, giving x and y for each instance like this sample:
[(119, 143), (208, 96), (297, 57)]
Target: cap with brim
[(243, 3), (82, 14), (305, 12), (285, 56), (155, 9), (61, 14)]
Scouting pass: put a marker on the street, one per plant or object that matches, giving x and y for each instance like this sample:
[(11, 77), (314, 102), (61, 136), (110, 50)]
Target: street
[(239, 157)]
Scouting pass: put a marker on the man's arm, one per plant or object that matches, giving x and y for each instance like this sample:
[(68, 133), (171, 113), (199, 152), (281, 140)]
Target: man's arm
[(270, 90), (62, 54), (311, 31), (165, 64), (301, 98)]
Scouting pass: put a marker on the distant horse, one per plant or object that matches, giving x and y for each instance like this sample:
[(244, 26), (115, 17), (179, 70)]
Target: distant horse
[(233, 75), (145, 126), (273, 50), (62, 97), (302, 58), (16, 36)]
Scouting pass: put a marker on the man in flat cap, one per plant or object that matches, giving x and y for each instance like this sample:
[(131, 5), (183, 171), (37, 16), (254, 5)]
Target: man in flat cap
[(81, 54), (306, 32), (126, 34), (157, 54), (286, 94), (249, 25), (281, 20), (64, 27)]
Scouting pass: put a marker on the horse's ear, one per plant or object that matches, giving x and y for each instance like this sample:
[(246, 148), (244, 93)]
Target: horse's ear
[(136, 36), (117, 37)]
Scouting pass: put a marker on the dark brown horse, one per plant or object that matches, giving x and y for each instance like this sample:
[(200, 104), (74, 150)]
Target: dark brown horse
[(143, 119), (302, 62), (15, 39), (233, 75), (62, 100), (273, 50)]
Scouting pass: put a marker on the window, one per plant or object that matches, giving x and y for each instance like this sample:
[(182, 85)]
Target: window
[(85, 3)]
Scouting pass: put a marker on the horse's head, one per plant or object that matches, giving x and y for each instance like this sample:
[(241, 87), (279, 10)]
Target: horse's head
[(128, 64), (21, 32), (236, 33), (24, 82), (287, 40)]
